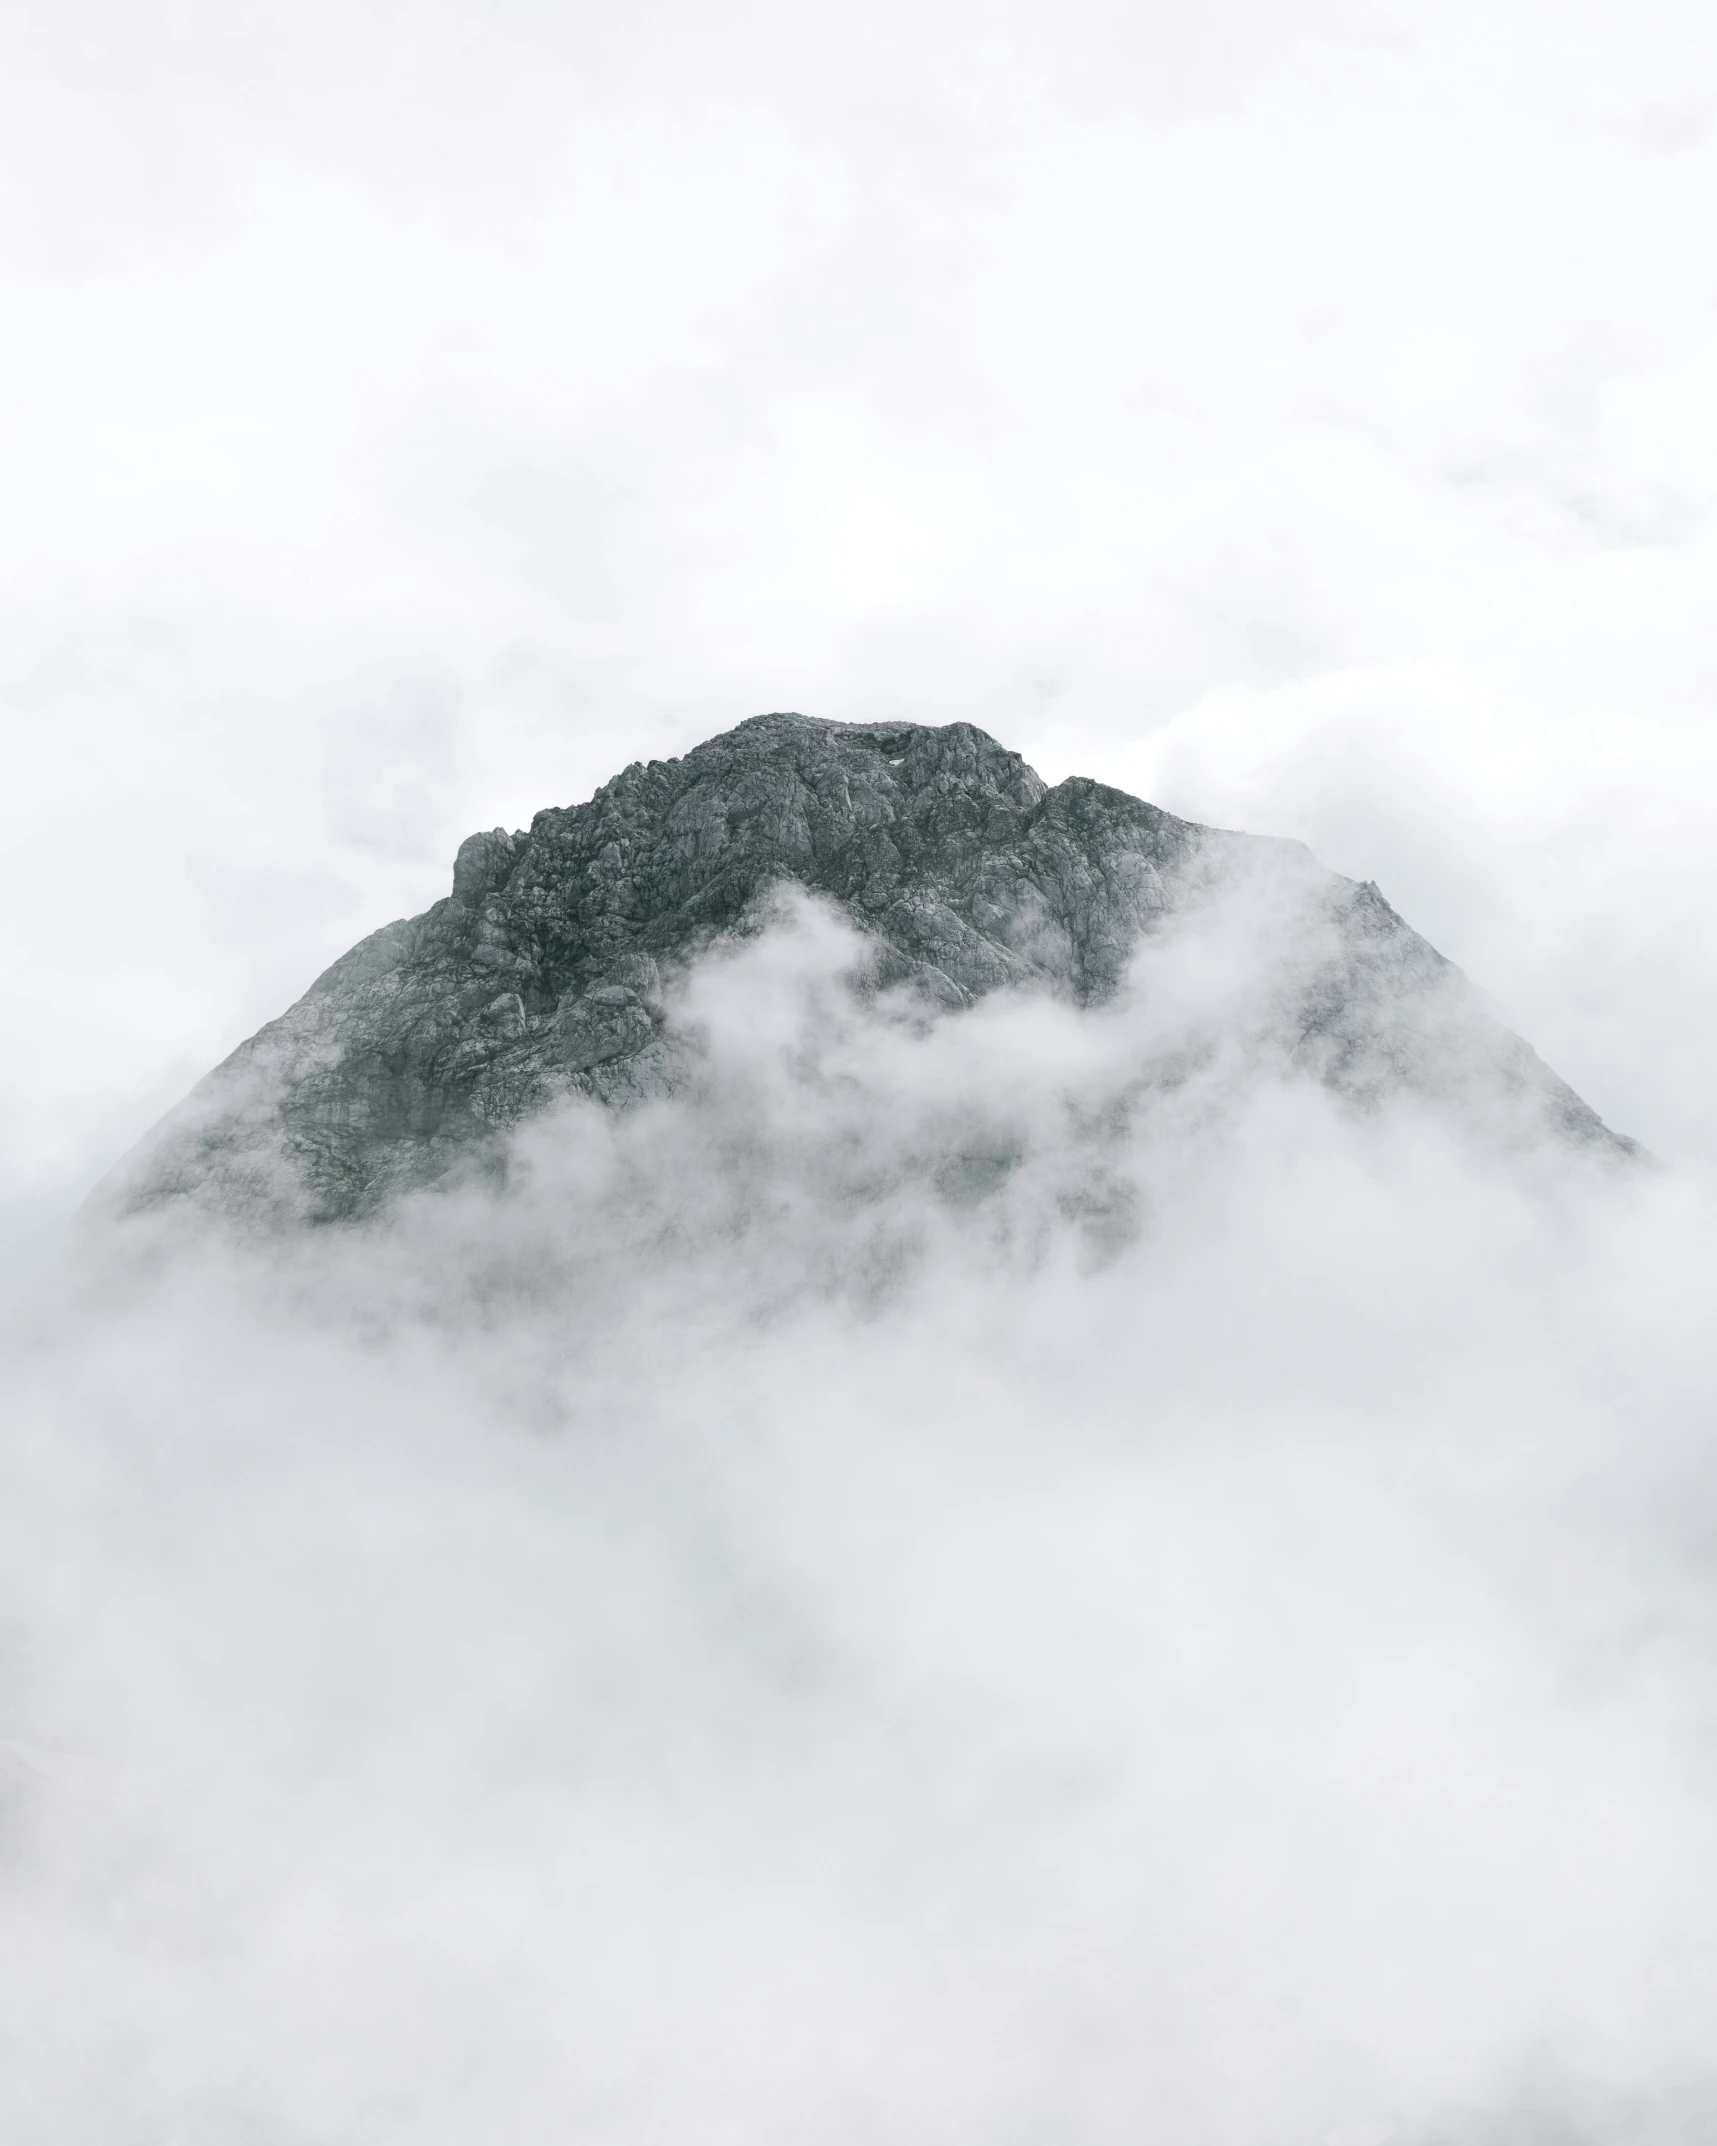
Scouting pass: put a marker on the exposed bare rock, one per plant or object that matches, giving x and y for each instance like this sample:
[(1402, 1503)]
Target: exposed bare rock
[(551, 968)]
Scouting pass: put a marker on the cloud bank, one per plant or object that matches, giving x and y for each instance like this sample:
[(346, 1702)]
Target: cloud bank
[(888, 1596)]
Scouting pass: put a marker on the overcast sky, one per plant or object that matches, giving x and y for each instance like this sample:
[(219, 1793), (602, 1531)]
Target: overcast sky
[(412, 412)]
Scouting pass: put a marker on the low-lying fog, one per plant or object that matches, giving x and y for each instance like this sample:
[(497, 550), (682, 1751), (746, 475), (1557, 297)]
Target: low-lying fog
[(899, 1597)]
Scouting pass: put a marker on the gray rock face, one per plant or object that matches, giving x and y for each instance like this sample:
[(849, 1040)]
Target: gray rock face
[(551, 969)]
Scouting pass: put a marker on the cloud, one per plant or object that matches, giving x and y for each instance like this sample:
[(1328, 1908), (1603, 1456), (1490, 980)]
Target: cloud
[(765, 1628)]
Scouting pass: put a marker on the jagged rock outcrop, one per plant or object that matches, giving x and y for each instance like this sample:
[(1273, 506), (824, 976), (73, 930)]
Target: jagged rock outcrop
[(551, 968)]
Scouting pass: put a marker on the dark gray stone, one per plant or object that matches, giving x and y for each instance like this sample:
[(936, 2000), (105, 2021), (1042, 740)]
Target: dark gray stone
[(550, 968)]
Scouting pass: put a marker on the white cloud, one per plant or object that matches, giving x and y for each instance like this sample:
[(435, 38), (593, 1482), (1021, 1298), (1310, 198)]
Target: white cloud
[(758, 1632)]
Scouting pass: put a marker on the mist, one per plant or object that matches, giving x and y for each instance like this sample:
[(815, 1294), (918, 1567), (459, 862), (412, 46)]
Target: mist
[(925, 1586)]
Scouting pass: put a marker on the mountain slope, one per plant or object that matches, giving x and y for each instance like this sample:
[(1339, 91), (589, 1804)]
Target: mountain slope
[(552, 968)]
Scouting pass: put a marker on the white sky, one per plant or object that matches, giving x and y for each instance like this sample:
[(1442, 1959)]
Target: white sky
[(409, 413)]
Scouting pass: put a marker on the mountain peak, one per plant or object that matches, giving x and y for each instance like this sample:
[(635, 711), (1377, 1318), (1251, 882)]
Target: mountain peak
[(550, 971)]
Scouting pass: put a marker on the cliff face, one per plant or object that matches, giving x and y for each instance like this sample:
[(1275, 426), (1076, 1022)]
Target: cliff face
[(551, 969)]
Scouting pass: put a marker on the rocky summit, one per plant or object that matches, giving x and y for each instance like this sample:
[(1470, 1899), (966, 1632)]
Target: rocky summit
[(554, 967)]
